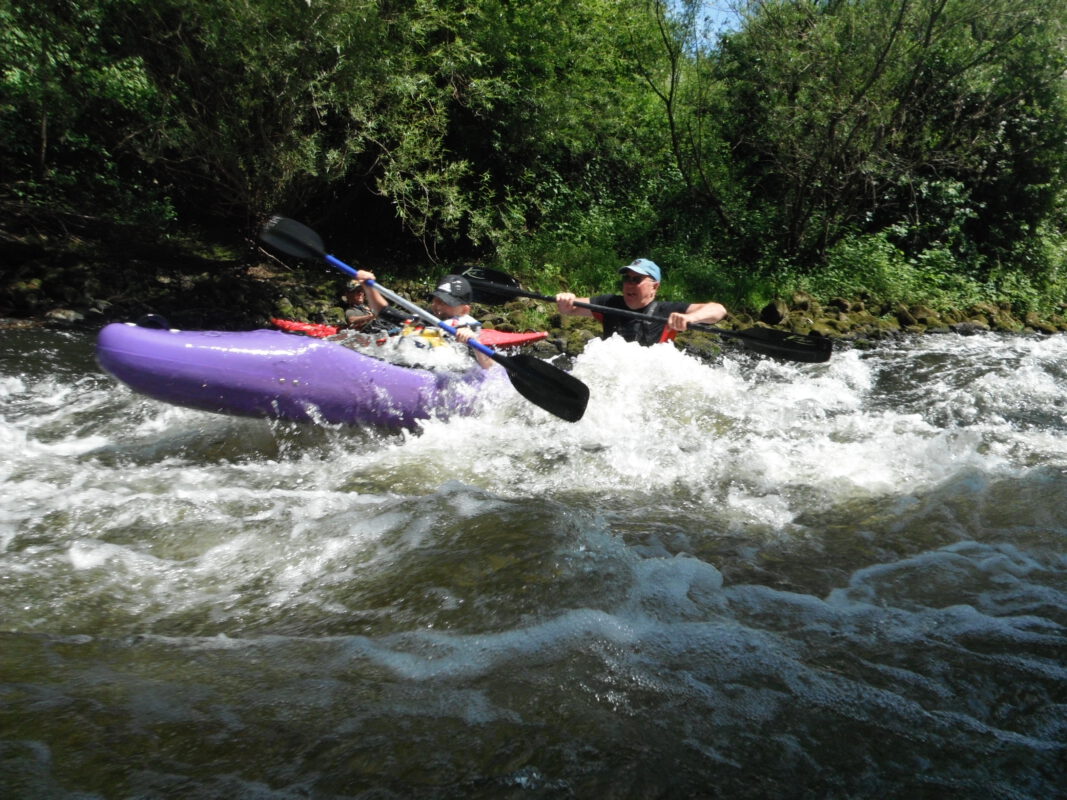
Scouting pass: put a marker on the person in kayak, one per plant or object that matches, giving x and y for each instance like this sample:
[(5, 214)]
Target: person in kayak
[(450, 302), (640, 282), (358, 314)]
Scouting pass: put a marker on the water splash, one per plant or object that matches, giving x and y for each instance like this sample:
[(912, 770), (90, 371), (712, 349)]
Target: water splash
[(848, 576)]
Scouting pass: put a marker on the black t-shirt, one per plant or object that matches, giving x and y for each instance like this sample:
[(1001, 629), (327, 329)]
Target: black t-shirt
[(356, 311), (387, 319), (637, 330)]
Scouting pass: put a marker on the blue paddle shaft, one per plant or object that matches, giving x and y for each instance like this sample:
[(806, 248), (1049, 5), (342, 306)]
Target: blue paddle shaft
[(409, 306)]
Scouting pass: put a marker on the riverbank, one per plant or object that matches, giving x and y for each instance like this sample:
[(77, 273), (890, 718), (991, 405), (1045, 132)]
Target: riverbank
[(70, 271)]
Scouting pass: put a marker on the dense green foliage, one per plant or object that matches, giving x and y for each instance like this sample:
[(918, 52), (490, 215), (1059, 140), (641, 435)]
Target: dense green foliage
[(909, 149)]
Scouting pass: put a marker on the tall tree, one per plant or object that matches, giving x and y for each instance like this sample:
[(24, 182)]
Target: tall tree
[(68, 105), (852, 116)]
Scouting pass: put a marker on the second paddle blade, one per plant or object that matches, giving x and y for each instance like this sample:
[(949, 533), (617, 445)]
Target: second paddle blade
[(782, 344), (544, 385)]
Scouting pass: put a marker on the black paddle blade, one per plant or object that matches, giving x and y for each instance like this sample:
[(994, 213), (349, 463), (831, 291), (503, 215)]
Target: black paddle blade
[(782, 344), (292, 237), (491, 286), (544, 385)]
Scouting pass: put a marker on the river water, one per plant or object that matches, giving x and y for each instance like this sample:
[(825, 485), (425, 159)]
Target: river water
[(731, 579)]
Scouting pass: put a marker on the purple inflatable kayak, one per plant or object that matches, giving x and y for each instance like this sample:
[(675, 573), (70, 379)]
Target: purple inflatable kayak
[(274, 374)]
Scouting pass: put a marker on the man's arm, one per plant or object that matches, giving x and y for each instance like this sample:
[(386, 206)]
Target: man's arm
[(374, 299), (706, 313), (464, 335), (565, 304)]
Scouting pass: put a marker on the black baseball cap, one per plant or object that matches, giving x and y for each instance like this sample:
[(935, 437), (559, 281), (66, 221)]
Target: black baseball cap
[(453, 290)]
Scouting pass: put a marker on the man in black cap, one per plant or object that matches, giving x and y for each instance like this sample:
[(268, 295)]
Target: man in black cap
[(450, 302)]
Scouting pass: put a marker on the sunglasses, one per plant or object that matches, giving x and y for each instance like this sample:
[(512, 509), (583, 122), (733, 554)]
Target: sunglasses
[(633, 278)]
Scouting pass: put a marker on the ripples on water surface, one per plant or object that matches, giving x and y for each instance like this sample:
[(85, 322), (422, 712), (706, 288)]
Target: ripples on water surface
[(738, 579)]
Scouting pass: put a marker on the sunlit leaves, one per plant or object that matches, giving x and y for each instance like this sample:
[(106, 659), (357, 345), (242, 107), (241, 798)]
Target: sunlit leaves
[(851, 109)]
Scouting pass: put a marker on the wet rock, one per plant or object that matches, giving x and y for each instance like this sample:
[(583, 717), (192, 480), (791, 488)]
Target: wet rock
[(737, 320), (494, 319), (704, 346), (802, 301), (904, 316), (981, 311), (576, 341), (547, 348), (66, 315), (774, 312), (823, 327), (799, 321), (970, 327), (1005, 322), (926, 316), (1034, 322)]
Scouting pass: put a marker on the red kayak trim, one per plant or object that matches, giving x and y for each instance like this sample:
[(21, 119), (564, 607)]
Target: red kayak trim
[(488, 336)]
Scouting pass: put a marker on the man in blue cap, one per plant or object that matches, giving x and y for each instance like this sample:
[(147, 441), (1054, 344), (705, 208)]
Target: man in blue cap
[(640, 282)]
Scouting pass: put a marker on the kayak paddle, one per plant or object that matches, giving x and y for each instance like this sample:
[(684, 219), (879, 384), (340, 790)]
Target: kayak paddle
[(544, 385), (493, 287)]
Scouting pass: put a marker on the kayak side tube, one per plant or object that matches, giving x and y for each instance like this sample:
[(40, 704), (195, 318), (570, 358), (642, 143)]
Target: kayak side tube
[(276, 375)]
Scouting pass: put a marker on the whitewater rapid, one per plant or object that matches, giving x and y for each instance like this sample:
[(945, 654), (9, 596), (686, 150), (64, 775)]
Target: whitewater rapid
[(735, 577)]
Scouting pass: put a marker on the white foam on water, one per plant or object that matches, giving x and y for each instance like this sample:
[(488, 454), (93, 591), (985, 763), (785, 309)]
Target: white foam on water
[(747, 445), (961, 573), (11, 386), (780, 436), (762, 439), (745, 553), (90, 555)]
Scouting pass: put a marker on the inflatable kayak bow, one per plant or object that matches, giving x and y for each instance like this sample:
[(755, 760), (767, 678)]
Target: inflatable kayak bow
[(274, 374)]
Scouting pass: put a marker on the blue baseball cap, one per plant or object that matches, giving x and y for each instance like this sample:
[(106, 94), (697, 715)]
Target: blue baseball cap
[(642, 266)]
